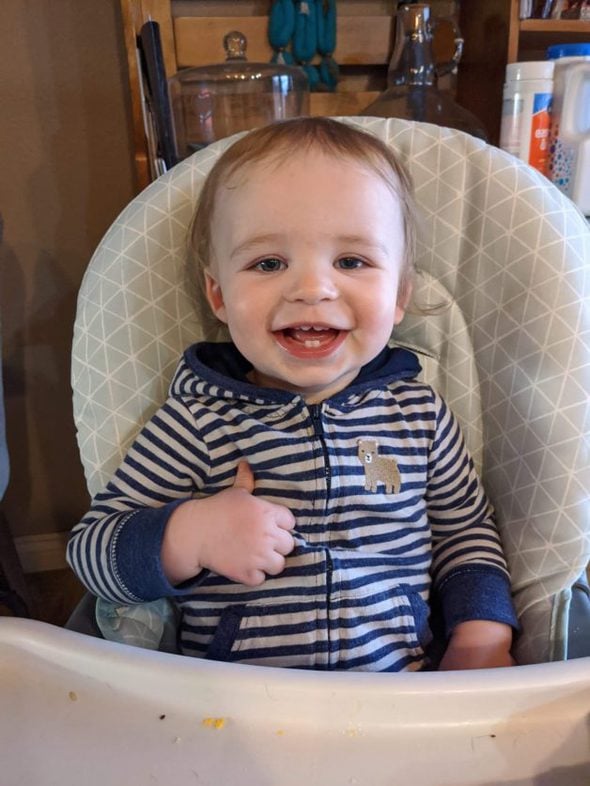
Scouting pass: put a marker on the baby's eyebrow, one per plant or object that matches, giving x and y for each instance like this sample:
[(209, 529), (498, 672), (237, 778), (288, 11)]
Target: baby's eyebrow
[(359, 240), (274, 238), (255, 241)]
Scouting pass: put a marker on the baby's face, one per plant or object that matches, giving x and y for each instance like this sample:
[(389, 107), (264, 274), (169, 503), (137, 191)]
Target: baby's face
[(306, 264)]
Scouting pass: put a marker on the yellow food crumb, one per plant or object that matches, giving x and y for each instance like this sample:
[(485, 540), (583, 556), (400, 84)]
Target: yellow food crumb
[(73, 696), (279, 732), (214, 723)]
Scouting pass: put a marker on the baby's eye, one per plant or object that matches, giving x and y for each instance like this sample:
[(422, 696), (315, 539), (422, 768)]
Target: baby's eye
[(350, 263), (269, 265)]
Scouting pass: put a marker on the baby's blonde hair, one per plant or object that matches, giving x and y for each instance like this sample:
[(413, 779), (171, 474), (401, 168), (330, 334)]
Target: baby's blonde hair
[(279, 140)]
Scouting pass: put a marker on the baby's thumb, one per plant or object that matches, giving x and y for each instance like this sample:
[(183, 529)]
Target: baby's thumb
[(244, 477)]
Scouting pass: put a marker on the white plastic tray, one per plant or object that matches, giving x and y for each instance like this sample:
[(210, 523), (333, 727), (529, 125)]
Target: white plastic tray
[(76, 710)]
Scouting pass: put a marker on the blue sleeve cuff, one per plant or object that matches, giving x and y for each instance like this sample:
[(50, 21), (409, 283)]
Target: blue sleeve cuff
[(137, 556), (476, 592)]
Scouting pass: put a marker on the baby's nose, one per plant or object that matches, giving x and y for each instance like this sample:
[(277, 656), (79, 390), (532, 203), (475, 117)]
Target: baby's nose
[(311, 285)]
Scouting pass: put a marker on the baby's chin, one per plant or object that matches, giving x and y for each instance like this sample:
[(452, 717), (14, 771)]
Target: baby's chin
[(314, 385)]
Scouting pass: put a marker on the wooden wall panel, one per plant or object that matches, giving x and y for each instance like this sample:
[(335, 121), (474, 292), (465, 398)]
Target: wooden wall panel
[(199, 40)]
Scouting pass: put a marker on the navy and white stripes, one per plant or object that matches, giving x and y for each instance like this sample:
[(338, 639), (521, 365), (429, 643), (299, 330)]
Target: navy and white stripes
[(354, 593)]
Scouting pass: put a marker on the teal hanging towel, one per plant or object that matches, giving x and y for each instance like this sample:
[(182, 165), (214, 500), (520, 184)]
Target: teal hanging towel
[(281, 26), (305, 39), (326, 26), (309, 28)]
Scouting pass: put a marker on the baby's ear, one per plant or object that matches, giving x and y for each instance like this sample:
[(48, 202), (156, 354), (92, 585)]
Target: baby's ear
[(404, 295), (215, 296)]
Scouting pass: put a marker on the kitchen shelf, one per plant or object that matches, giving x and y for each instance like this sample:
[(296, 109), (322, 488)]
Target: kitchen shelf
[(535, 35), (555, 26)]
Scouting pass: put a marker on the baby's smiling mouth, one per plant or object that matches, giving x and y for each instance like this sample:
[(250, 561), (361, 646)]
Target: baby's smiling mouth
[(310, 339), (312, 336)]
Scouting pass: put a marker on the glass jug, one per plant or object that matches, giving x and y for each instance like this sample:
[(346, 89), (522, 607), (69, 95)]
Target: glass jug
[(412, 77)]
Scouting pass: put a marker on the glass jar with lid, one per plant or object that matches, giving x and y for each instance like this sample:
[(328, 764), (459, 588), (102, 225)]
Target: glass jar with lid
[(215, 101)]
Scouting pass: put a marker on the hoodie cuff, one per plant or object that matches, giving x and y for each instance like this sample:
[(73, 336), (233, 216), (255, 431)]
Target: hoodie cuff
[(138, 544), (476, 592)]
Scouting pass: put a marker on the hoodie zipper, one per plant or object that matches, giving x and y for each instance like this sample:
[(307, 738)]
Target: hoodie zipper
[(315, 410)]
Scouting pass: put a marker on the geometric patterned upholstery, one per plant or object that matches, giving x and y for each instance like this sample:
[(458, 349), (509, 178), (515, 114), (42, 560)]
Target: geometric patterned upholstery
[(511, 354)]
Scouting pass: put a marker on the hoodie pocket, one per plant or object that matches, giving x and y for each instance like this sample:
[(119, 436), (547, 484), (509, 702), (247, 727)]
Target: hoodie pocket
[(377, 622), (271, 635)]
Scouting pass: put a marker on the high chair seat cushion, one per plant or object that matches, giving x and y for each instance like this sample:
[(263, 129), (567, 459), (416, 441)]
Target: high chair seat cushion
[(507, 252)]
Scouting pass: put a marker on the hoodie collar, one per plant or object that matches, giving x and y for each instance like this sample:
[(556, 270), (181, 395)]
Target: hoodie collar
[(222, 365)]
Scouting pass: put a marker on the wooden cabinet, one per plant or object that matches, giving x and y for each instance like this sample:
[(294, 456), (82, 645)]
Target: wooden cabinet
[(192, 32)]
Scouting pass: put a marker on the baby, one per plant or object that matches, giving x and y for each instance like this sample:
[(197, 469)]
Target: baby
[(301, 495)]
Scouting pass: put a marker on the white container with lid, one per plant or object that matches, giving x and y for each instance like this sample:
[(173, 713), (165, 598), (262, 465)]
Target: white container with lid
[(569, 162), (526, 112)]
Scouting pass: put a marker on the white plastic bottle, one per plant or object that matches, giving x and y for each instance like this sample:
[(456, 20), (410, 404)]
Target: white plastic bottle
[(526, 112), (569, 158)]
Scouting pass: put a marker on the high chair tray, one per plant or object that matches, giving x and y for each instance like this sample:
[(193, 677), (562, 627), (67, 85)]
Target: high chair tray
[(81, 710)]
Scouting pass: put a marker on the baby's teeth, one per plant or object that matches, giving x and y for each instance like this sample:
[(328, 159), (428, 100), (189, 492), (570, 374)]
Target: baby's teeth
[(312, 344)]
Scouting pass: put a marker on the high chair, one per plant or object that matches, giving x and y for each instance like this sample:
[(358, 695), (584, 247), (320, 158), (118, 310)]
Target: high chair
[(510, 256)]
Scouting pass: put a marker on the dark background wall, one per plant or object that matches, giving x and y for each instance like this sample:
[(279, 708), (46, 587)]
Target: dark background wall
[(65, 173)]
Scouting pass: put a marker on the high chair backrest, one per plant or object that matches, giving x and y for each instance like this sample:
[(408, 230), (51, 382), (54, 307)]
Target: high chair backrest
[(511, 352)]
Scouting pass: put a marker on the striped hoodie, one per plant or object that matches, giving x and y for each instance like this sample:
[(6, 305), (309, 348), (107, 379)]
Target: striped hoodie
[(388, 510)]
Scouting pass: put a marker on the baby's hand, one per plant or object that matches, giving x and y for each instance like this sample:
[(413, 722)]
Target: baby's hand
[(478, 644), (233, 533)]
